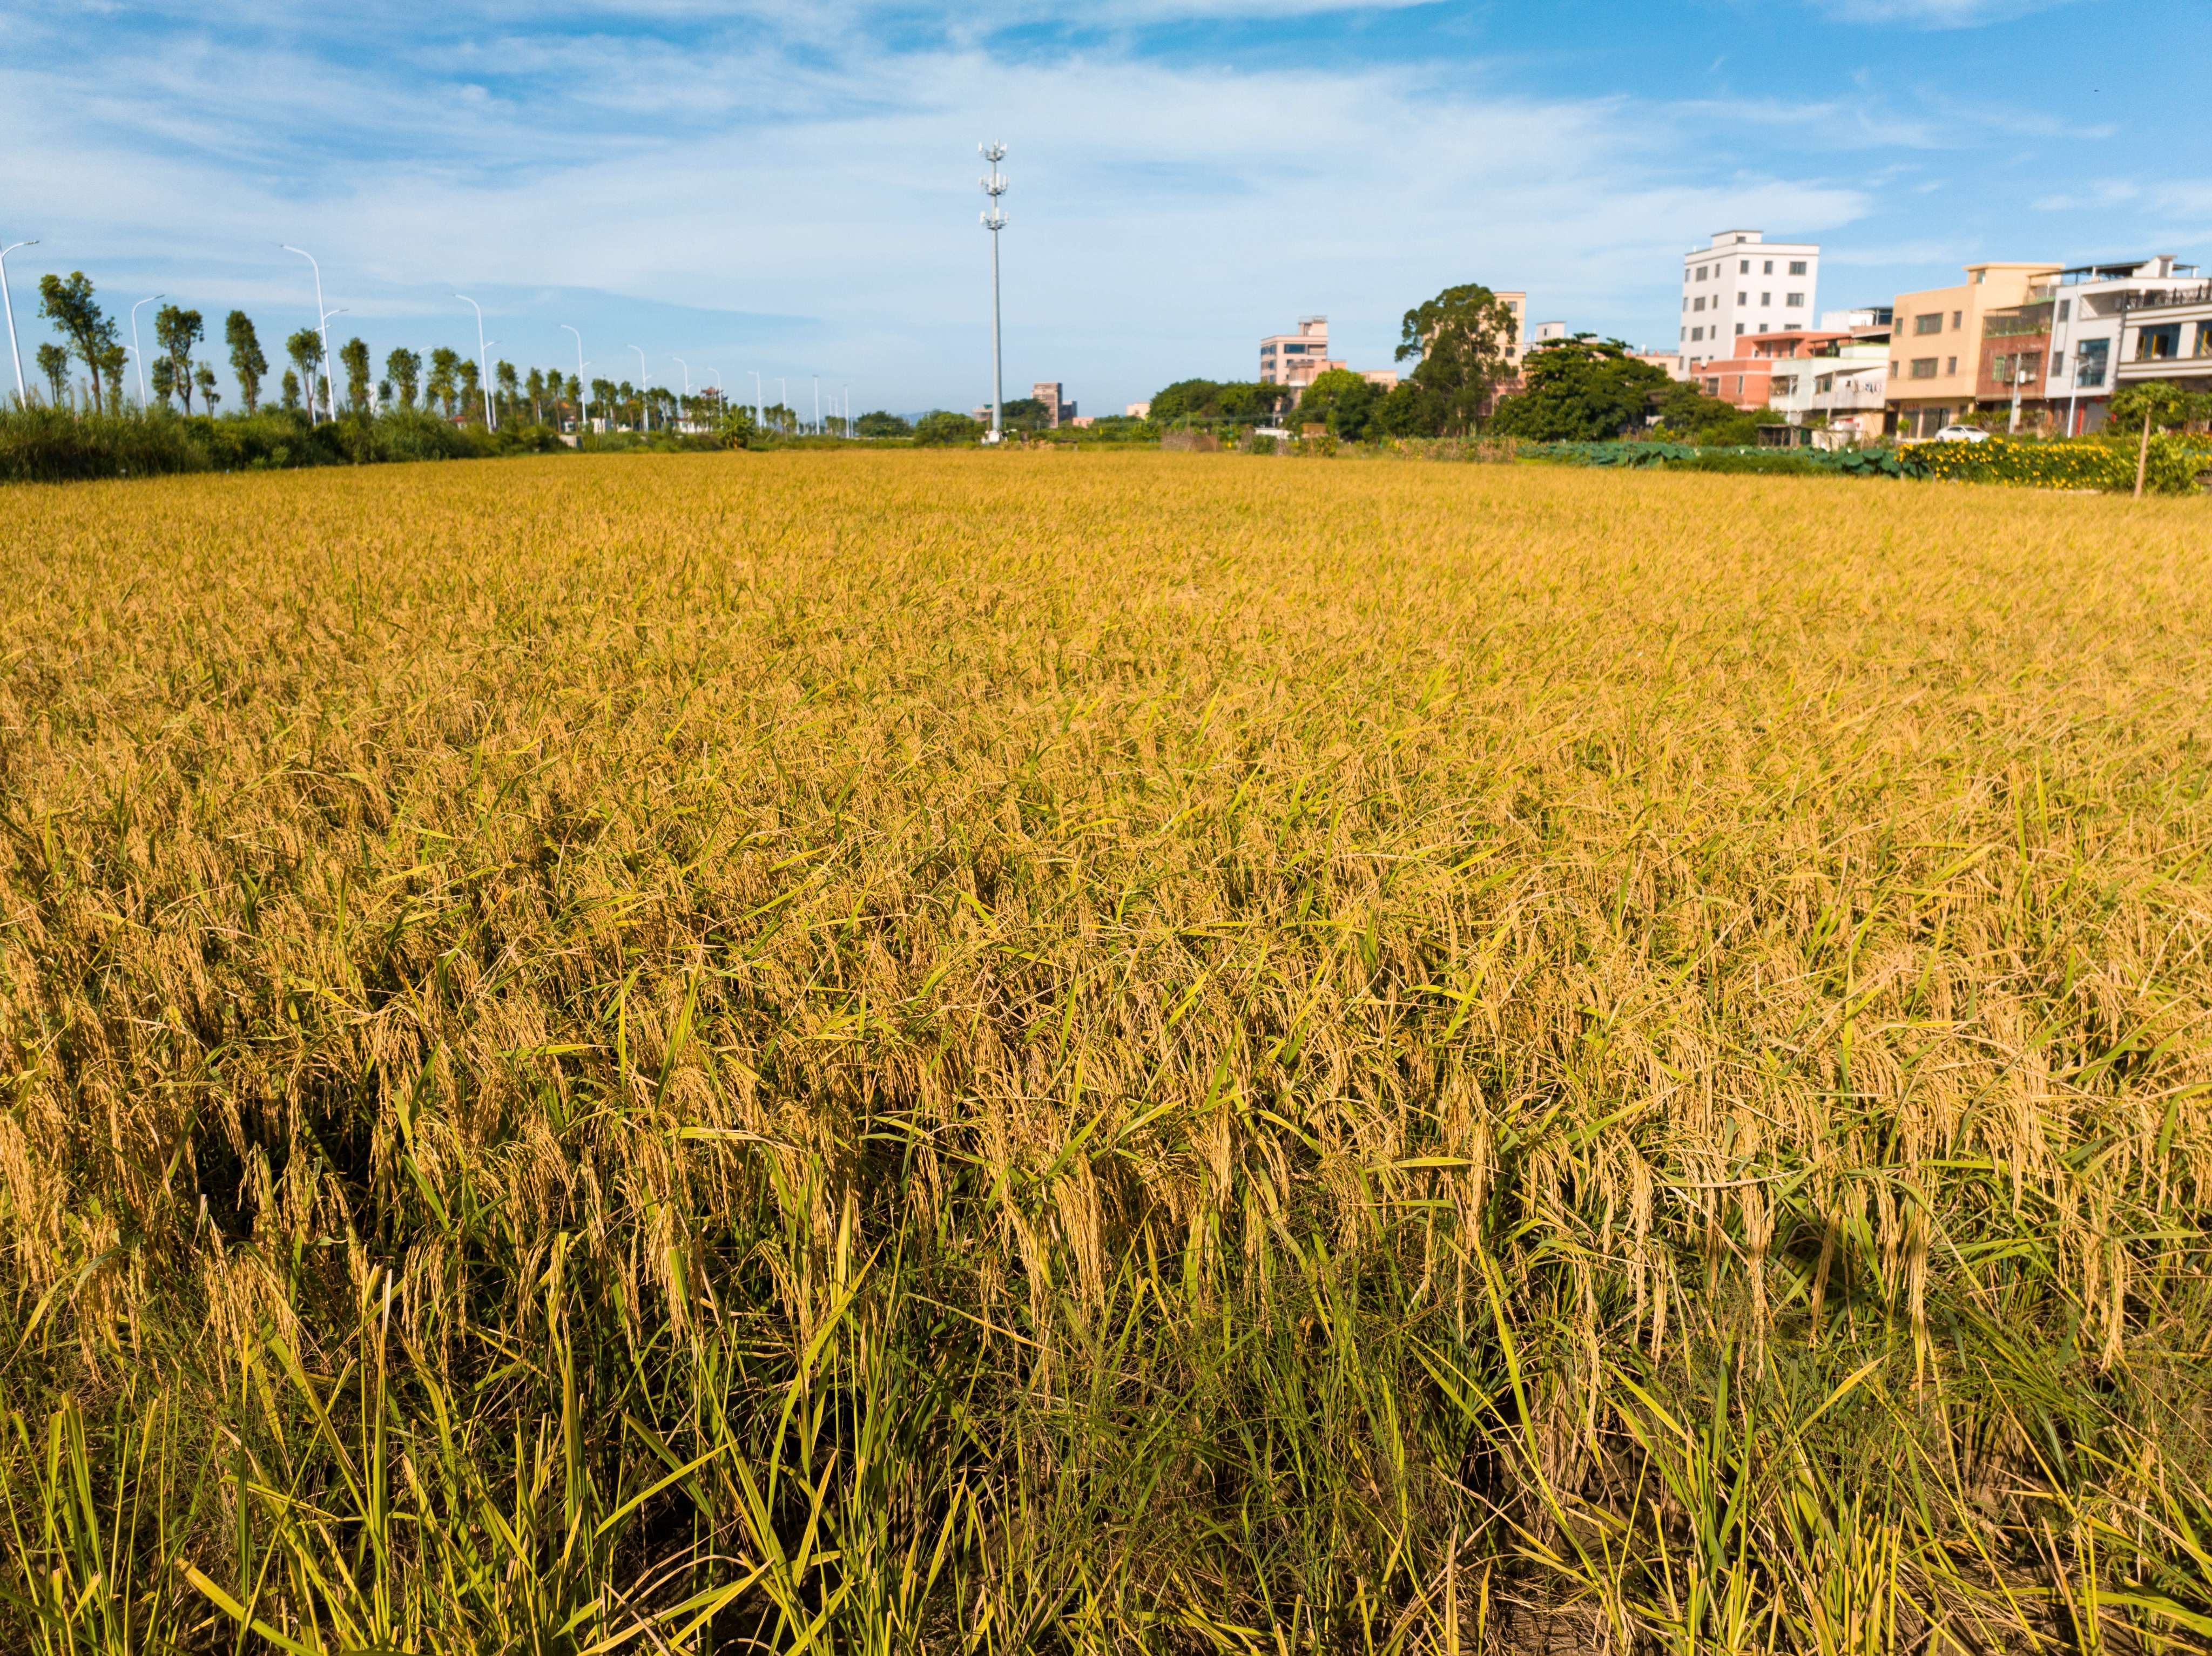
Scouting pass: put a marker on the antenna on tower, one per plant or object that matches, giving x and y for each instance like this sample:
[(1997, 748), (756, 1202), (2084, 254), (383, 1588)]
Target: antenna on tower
[(995, 219)]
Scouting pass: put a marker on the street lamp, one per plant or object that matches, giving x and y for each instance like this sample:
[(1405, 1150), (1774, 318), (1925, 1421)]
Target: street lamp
[(22, 395), (582, 407), (783, 395), (136, 350), (483, 361), (644, 408), (760, 415), (995, 219), (323, 319)]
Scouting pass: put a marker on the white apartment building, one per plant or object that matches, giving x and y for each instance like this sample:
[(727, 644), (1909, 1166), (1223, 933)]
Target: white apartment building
[(1838, 393), (2098, 315), (1741, 283)]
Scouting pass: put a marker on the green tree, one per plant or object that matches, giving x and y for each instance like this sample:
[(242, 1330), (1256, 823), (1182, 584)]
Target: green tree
[(1348, 405), (353, 357), (1212, 399), (70, 307), (575, 395), (505, 373), (534, 388), (444, 369), (1460, 338), (1579, 390), (941, 429), (179, 332), (204, 377), (304, 348), (248, 364), (288, 388), (163, 374), (53, 363), (2159, 402), (405, 368), (883, 423), (472, 379)]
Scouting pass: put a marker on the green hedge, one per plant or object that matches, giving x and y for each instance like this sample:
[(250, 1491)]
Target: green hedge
[(2101, 463), (41, 444)]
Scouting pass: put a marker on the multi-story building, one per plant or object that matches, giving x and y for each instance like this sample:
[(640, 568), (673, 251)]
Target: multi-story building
[(2170, 337), (2015, 351), (1057, 408), (2100, 315), (1936, 343), (1297, 360), (1837, 391), (1741, 284), (1747, 377)]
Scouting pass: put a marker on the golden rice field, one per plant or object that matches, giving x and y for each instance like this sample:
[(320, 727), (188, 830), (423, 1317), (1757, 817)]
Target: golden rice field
[(901, 1053)]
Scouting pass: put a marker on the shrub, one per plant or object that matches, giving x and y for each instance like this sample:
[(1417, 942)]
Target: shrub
[(2101, 462)]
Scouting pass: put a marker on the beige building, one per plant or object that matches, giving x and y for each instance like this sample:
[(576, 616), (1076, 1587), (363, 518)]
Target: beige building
[(1297, 360), (1936, 343)]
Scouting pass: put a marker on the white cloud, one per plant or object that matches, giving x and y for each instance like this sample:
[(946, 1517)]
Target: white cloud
[(1934, 14)]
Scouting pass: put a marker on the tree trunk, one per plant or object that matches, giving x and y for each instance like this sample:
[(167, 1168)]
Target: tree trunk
[(2142, 457)]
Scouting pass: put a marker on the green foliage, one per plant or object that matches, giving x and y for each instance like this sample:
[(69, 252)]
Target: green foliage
[(248, 364), (403, 368), (883, 423), (1347, 405), (353, 357), (53, 444), (54, 367), (941, 429), (1024, 414), (2104, 462), (737, 430), (2160, 404), (179, 332), (1240, 402), (1579, 390), (70, 307), (1460, 338)]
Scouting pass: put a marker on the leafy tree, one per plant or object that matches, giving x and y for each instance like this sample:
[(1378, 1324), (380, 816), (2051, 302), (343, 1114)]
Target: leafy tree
[(1210, 399), (163, 374), (248, 364), (445, 368), (1684, 408), (883, 423), (289, 389), (1349, 405), (404, 369), (2157, 403), (204, 377), (1580, 391), (304, 348), (941, 428), (534, 388), (178, 332), (471, 379), (506, 386), (1460, 338), (112, 361), (53, 363), (70, 307), (354, 356), (1024, 414)]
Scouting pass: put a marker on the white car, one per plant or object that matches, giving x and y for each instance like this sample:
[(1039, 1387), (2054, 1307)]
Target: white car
[(1962, 434)]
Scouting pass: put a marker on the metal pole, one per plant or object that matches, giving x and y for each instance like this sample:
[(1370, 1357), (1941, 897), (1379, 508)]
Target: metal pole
[(483, 361), (686, 367), (136, 349), (22, 395), (995, 219), (644, 407), (817, 405), (760, 415), (581, 405), (783, 397), (323, 321)]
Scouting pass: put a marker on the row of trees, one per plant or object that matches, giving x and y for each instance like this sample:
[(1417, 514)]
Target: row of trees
[(446, 382)]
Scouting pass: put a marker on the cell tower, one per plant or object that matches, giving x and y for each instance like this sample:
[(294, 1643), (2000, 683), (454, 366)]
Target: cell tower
[(995, 219)]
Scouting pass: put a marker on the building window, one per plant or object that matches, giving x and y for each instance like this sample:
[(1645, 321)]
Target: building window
[(2065, 305), (1743, 267), (2057, 363), (1767, 299), (1739, 328), (1768, 270), (1958, 318), (2160, 343), (2204, 339), (1698, 304), (1824, 383), (1712, 387), (1797, 300), (1950, 365), (1797, 267), (1743, 299), (2089, 364), (1930, 323), (1923, 367)]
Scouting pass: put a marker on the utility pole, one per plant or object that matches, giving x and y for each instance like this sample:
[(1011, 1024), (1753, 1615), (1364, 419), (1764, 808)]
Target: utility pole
[(995, 219), (483, 361), (817, 405), (136, 350), (760, 414), (322, 321), (22, 395), (644, 405), (582, 406)]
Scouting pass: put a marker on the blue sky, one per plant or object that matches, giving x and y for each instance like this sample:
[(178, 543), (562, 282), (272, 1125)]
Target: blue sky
[(790, 189)]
